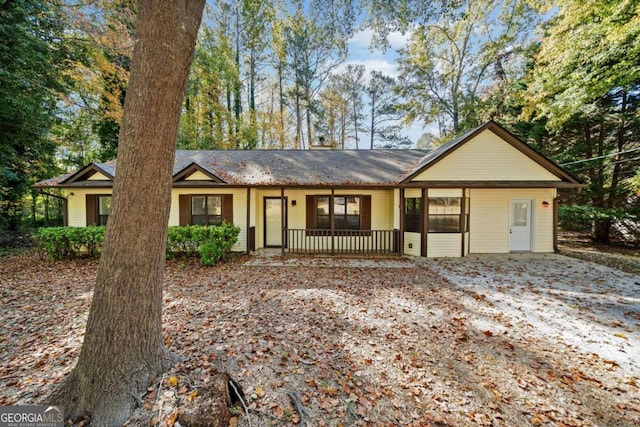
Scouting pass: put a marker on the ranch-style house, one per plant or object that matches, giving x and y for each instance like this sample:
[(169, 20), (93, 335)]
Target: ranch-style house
[(483, 192)]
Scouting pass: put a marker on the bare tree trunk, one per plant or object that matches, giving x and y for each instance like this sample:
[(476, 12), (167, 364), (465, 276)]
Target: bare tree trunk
[(123, 347), (373, 118)]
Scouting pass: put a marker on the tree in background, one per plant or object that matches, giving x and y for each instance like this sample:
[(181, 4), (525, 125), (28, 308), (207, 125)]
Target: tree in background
[(585, 85), (333, 112), (385, 113), (454, 69), (32, 60), (351, 83)]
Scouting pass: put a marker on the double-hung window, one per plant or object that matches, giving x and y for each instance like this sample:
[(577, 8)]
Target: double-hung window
[(346, 212), (206, 210)]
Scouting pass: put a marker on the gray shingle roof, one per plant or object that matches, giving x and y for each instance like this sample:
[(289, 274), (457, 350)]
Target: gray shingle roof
[(303, 167)]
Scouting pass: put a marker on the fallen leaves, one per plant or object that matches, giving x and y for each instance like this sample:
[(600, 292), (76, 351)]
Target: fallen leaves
[(391, 345)]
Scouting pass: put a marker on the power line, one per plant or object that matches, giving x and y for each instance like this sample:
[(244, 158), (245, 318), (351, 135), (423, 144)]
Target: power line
[(612, 163), (601, 157)]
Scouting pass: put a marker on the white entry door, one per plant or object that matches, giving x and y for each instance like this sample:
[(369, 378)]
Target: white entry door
[(273, 221), (520, 226)]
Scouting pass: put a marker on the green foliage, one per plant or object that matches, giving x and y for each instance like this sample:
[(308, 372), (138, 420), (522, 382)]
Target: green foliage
[(584, 88), (218, 243), (455, 70), (57, 243), (582, 217), (211, 243), (32, 60)]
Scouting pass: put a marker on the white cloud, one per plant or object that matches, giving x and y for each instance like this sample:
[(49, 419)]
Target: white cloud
[(397, 40), (360, 42), (372, 64)]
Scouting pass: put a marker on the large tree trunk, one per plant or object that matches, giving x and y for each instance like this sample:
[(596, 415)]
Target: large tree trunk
[(123, 347)]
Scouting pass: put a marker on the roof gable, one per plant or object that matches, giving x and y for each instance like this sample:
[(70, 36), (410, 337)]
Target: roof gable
[(488, 153), (195, 172), (91, 172)]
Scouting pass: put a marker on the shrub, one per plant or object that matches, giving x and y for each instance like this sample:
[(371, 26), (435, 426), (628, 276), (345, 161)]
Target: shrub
[(58, 243), (218, 243), (211, 243)]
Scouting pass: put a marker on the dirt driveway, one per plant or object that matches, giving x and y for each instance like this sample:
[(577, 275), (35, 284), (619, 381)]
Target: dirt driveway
[(510, 340)]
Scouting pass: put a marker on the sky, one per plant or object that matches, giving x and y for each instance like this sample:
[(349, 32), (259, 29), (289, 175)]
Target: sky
[(360, 52)]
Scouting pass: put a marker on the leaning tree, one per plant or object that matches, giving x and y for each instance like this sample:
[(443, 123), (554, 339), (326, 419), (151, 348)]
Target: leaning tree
[(123, 348)]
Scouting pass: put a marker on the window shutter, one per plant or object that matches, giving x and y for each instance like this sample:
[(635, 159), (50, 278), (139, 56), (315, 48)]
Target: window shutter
[(311, 213), (185, 210), (227, 208), (92, 209), (365, 212)]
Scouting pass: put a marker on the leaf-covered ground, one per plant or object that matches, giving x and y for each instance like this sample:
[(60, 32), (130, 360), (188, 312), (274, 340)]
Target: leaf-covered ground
[(509, 340)]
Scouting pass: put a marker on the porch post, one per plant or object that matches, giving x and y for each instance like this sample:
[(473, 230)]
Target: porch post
[(555, 224), (424, 223), (401, 236), (248, 232), (333, 224), (463, 223), (282, 216)]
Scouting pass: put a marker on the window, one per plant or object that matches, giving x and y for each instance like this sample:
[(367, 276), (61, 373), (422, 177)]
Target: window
[(206, 210), (346, 212), (98, 207), (412, 214), (445, 214), (104, 207)]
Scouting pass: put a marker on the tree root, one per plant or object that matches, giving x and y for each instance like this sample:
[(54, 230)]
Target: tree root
[(293, 395)]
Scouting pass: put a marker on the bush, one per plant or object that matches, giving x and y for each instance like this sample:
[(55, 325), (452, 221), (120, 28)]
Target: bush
[(58, 243), (211, 243), (218, 243)]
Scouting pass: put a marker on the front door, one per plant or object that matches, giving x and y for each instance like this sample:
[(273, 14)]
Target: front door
[(273, 221), (520, 225)]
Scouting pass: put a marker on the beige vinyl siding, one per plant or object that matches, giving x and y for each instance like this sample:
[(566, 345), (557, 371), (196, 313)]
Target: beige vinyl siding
[(414, 240), (197, 176), (239, 209), (489, 219), (412, 193), (486, 157), (444, 192), (98, 177), (77, 204), (397, 209), (441, 245)]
